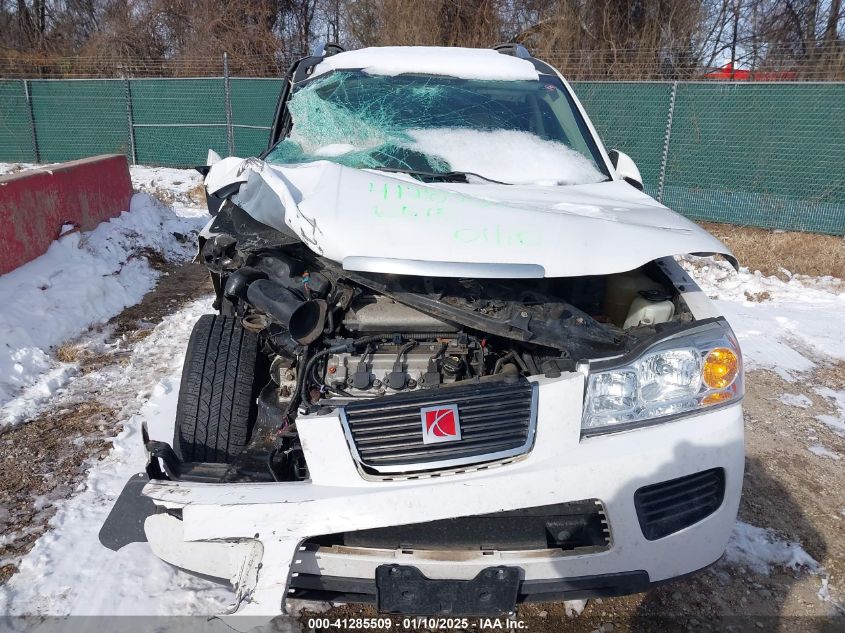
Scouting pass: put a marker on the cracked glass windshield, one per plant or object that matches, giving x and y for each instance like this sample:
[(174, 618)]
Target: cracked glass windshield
[(515, 132)]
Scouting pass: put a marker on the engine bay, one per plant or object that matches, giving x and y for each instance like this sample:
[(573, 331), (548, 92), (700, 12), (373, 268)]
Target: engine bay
[(331, 336)]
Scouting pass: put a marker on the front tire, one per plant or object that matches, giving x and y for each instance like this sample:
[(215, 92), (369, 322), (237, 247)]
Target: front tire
[(217, 397)]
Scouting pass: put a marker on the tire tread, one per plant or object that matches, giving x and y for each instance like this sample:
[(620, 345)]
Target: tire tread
[(217, 394)]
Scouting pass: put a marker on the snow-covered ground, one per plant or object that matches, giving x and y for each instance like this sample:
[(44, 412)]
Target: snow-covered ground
[(87, 278), (789, 327), (68, 572), (82, 280)]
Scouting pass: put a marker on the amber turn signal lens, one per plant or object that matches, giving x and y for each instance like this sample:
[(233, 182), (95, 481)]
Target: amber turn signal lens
[(721, 367), (716, 398)]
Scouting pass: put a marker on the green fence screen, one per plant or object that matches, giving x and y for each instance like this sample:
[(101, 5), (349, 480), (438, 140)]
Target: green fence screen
[(630, 117), (253, 108), (758, 154), (77, 118), (16, 135)]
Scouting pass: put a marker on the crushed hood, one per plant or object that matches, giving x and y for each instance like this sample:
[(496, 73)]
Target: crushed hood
[(374, 221)]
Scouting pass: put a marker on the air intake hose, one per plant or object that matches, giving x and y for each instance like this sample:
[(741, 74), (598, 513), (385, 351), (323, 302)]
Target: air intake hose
[(239, 282), (303, 319)]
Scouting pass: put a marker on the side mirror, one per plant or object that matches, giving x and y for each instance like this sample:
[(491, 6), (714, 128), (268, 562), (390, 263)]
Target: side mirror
[(626, 168)]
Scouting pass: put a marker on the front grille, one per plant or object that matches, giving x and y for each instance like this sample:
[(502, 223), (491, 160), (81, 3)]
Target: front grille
[(574, 525), (497, 421), (667, 507)]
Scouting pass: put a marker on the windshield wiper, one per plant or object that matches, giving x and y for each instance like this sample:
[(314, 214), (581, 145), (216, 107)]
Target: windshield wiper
[(446, 176)]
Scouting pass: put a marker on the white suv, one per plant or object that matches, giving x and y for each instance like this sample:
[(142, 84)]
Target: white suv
[(454, 364)]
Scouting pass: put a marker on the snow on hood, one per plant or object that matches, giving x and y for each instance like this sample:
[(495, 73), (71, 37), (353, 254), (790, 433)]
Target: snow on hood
[(391, 223), (464, 63)]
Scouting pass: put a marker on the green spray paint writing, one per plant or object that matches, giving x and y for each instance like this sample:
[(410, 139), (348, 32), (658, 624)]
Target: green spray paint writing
[(428, 204)]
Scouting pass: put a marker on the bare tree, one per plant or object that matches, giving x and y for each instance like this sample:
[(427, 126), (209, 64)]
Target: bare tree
[(806, 33), (624, 39)]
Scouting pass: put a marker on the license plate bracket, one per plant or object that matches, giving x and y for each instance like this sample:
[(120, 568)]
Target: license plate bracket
[(404, 590)]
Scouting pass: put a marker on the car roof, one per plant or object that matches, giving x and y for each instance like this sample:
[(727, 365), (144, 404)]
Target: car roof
[(464, 63)]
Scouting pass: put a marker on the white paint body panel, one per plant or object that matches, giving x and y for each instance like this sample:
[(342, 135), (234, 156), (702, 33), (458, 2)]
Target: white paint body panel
[(378, 222), (561, 467)]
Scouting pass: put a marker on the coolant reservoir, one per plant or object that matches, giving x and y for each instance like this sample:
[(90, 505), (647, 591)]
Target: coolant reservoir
[(649, 307), (621, 291)]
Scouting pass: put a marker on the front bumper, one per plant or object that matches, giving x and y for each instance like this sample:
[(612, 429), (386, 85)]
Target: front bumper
[(254, 534)]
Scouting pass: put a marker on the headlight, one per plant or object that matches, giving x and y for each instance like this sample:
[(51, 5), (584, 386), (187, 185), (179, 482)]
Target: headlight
[(685, 372)]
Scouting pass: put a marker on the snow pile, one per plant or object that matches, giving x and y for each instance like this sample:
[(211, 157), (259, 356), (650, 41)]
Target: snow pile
[(837, 399), (508, 155), (68, 572), (174, 187), (13, 168), (823, 451), (796, 400), (574, 608), (785, 326), (83, 279), (174, 181), (464, 63), (761, 550)]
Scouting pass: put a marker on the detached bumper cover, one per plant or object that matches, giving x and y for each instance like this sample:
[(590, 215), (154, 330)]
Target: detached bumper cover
[(253, 534)]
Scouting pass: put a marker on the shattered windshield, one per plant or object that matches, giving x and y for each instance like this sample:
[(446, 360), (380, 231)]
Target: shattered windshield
[(516, 132)]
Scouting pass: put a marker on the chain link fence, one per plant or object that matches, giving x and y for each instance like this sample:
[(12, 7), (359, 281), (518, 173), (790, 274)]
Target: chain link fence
[(766, 154), (751, 60)]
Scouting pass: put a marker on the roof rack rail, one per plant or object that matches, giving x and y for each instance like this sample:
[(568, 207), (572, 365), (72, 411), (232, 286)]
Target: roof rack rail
[(327, 49), (513, 48)]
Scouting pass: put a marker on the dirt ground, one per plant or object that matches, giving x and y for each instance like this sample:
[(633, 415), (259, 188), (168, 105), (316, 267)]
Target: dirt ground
[(60, 444), (779, 252)]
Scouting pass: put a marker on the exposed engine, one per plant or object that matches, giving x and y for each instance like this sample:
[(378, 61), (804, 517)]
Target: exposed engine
[(438, 353), (331, 336)]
